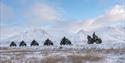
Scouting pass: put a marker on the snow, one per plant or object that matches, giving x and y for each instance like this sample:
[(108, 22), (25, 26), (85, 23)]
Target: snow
[(107, 34), (37, 34), (79, 38), (112, 48), (39, 54), (112, 34)]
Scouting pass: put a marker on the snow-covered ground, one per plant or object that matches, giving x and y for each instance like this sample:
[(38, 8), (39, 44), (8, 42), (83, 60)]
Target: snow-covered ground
[(65, 54)]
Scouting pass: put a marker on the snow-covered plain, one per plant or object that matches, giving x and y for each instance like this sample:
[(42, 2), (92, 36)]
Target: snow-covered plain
[(65, 54)]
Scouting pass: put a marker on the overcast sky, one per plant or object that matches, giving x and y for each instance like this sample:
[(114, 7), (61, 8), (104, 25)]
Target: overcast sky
[(60, 16)]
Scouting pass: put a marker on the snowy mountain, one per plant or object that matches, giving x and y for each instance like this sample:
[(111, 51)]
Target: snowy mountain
[(80, 37), (37, 34), (107, 34), (112, 34)]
